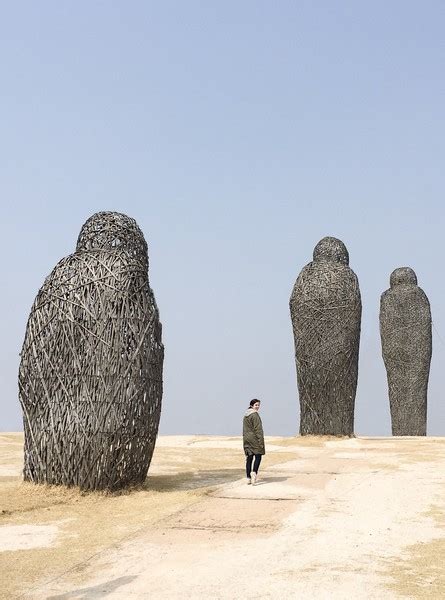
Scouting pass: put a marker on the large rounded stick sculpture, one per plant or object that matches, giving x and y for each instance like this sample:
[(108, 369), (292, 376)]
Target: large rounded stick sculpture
[(326, 308), (90, 378), (405, 329)]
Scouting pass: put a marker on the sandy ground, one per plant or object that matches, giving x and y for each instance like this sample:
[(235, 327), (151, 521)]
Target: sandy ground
[(329, 518)]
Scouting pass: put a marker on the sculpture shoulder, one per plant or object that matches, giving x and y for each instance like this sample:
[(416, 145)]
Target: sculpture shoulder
[(404, 294), (404, 304), (299, 283), (89, 264), (93, 290), (91, 280), (315, 270), (423, 297), (323, 279)]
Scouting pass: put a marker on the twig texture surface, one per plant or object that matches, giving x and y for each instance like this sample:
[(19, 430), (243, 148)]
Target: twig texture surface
[(325, 308), (405, 329), (90, 377)]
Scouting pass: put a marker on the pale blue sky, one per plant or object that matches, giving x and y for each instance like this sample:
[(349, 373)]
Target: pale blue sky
[(237, 134)]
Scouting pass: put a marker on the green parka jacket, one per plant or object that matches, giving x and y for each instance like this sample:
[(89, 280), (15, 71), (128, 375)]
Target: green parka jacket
[(253, 436)]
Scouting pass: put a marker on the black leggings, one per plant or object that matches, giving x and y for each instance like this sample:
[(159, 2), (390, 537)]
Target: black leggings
[(256, 464)]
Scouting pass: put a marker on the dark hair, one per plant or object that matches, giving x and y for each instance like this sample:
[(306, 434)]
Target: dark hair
[(254, 401)]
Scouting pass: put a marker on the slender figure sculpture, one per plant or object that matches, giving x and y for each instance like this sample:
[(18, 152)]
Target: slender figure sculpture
[(325, 309), (405, 329), (90, 377)]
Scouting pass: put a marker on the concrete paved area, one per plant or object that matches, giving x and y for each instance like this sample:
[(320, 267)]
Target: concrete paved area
[(337, 518)]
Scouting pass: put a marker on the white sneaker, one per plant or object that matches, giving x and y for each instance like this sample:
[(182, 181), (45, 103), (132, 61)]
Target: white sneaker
[(253, 477), (248, 481)]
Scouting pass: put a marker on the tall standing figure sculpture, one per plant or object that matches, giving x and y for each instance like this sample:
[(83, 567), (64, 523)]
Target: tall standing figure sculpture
[(326, 308), (405, 329), (90, 377)]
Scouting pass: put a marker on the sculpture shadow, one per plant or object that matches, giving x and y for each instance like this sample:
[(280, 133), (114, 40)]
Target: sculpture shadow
[(191, 480), (96, 591)]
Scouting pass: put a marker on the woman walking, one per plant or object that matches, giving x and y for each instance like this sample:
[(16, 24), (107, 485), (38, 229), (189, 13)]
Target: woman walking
[(253, 440)]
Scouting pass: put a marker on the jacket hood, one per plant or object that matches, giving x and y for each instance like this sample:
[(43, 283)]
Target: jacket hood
[(249, 411)]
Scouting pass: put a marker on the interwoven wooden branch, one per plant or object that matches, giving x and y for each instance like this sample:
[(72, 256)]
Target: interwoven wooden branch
[(90, 378), (325, 308), (405, 329)]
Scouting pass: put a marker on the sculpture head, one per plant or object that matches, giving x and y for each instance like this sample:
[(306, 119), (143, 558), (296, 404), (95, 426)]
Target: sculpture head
[(330, 249), (113, 231), (403, 275)]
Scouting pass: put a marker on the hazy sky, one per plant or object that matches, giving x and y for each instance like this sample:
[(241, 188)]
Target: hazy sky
[(237, 134)]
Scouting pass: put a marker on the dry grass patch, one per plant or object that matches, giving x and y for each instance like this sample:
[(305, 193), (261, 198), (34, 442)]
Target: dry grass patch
[(89, 522), (420, 572)]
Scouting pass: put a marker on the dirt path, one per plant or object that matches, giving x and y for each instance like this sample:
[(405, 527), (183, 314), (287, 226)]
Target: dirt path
[(348, 518)]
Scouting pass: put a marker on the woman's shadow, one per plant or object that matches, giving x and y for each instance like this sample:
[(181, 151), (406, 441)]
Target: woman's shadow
[(96, 591), (267, 480)]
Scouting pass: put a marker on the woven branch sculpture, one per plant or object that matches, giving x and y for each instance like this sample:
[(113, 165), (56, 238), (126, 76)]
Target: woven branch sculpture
[(90, 377), (325, 309), (405, 329)]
